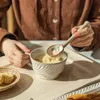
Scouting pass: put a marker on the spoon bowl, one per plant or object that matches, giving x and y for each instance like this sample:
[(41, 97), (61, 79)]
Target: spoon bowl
[(55, 50)]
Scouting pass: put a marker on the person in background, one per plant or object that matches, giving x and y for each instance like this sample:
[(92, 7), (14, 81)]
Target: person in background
[(50, 20)]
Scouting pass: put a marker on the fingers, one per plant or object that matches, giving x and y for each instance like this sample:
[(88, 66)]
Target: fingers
[(83, 37), (18, 58), (74, 30), (82, 43), (23, 47), (83, 32), (13, 50), (25, 62), (18, 62), (19, 53)]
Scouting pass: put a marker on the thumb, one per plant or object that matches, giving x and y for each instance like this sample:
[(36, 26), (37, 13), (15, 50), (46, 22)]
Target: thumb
[(74, 30), (23, 47)]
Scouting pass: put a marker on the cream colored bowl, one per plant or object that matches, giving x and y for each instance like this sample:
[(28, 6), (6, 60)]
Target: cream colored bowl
[(16, 80), (46, 71)]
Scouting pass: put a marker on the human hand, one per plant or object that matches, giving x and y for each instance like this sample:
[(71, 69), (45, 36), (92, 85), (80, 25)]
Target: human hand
[(13, 50), (84, 37)]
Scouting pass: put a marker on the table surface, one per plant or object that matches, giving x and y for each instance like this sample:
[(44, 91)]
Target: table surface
[(29, 87)]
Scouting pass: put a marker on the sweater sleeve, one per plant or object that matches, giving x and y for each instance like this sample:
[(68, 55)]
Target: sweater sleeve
[(4, 5), (94, 19)]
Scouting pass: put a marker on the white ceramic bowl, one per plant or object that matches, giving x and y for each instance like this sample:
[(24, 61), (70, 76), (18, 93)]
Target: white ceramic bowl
[(43, 70)]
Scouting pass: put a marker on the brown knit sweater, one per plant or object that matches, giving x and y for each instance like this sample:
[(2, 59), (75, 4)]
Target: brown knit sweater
[(53, 19)]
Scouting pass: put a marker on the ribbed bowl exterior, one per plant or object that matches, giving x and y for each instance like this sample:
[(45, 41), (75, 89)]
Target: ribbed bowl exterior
[(46, 71)]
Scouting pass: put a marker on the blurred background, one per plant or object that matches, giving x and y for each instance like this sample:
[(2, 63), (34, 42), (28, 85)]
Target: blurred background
[(9, 22)]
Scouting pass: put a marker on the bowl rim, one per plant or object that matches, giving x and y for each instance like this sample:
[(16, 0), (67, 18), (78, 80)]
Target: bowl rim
[(47, 63)]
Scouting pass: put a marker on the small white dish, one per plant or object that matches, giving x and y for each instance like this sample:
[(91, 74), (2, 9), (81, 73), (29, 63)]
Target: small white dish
[(44, 70), (14, 72)]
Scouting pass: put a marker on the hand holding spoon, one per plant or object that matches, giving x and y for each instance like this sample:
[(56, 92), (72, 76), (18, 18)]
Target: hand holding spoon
[(55, 50)]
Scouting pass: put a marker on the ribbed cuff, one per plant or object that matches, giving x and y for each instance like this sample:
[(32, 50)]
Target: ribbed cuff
[(10, 36), (79, 48)]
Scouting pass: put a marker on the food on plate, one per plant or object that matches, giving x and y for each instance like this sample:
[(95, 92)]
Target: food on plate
[(1, 78), (6, 78), (93, 96), (48, 59)]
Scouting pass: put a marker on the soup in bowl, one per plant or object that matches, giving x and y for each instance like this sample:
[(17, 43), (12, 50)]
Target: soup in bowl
[(46, 67)]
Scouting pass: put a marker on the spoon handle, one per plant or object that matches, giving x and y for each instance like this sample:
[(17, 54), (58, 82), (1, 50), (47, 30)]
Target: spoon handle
[(73, 36)]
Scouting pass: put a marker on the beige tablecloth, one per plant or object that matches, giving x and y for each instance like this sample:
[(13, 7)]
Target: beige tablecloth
[(78, 72)]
